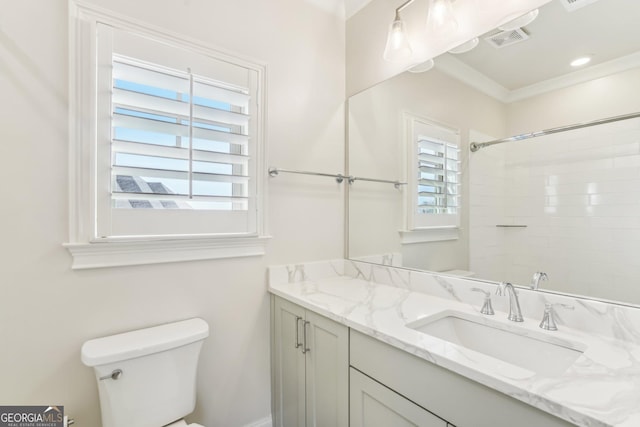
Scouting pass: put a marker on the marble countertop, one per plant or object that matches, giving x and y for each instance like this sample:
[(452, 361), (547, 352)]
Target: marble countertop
[(602, 387)]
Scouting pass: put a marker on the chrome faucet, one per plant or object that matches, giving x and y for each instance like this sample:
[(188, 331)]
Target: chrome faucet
[(535, 280), (515, 314)]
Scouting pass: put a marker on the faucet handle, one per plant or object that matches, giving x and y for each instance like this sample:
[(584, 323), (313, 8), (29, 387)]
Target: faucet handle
[(487, 307), (548, 321)]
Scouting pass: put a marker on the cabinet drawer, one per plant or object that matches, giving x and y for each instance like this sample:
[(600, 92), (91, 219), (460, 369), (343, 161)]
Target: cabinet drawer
[(374, 405), (462, 402)]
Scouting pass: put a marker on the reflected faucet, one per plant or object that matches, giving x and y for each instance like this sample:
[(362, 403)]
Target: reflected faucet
[(515, 314), (535, 280)]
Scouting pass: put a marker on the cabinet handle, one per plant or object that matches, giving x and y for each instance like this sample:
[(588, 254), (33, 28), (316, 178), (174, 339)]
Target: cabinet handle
[(305, 349), (297, 343)]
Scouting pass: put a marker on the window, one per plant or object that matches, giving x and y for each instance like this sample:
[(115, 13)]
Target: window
[(433, 175), (178, 141), (167, 143)]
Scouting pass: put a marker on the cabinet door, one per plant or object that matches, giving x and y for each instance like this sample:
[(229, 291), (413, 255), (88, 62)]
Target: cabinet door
[(327, 372), (374, 405), (289, 365)]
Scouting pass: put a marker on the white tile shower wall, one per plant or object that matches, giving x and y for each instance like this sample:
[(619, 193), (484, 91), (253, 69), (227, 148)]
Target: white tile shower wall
[(578, 193), (487, 252)]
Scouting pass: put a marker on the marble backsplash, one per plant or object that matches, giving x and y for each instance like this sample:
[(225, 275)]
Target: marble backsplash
[(595, 317)]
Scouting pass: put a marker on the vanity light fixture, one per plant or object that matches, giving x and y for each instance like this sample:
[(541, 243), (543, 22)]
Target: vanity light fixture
[(520, 21), (466, 46), (579, 62), (398, 48), (441, 21)]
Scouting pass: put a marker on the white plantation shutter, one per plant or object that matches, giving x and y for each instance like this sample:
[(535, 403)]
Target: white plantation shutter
[(180, 144), (435, 176), (177, 148)]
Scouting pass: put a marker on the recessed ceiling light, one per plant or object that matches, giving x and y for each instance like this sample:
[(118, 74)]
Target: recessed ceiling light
[(580, 61)]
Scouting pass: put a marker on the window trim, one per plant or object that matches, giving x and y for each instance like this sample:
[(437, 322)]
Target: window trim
[(431, 233), (87, 249), (126, 253)]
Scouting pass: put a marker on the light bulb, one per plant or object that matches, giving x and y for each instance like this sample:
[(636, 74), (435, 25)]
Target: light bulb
[(398, 47), (440, 20)]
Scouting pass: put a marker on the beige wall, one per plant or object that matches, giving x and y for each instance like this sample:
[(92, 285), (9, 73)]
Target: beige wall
[(47, 311), (376, 148), (608, 96)]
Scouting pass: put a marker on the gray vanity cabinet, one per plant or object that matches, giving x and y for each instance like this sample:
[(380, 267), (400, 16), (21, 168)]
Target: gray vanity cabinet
[(327, 375), (311, 368), (452, 397), (374, 405)]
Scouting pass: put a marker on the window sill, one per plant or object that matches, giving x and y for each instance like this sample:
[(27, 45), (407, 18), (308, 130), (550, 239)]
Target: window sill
[(425, 235), (116, 254)]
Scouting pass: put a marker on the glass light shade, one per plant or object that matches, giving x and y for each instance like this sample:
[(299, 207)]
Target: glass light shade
[(422, 67), (466, 46), (520, 21), (441, 21), (398, 47)]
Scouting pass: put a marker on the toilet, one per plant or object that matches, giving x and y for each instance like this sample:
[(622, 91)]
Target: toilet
[(147, 377)]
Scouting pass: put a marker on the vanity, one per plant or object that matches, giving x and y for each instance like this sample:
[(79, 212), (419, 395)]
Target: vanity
[(357, 344)]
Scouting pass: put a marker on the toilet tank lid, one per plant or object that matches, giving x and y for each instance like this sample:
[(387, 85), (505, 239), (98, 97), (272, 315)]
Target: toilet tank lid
[(142, 342)]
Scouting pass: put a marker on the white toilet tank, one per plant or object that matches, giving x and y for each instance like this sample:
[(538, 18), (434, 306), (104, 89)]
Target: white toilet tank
[(157, 383)]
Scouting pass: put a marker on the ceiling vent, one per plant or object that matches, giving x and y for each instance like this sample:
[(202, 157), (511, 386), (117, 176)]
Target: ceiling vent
[(573, 5), (507, 38)]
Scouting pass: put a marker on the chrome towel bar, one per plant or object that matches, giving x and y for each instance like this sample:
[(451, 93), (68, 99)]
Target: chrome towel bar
[(276, 171), (338, 177)]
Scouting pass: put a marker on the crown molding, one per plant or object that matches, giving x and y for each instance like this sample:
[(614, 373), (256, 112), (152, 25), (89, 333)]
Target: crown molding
[(468, 75), (457, 69), (608, 68)]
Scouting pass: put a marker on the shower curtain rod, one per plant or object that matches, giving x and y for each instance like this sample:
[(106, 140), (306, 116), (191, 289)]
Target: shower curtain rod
[(475, 146)]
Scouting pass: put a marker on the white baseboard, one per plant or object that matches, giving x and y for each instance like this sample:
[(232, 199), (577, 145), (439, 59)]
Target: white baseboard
[(265, 422)]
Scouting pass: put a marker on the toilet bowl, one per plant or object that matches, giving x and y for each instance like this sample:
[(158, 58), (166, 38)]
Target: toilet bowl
[(147, 377)]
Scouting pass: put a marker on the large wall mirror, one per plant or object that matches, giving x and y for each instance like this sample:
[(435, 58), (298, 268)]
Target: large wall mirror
[(566, 204)]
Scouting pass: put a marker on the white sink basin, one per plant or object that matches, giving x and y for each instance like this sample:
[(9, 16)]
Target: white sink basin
[(533, 351)]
